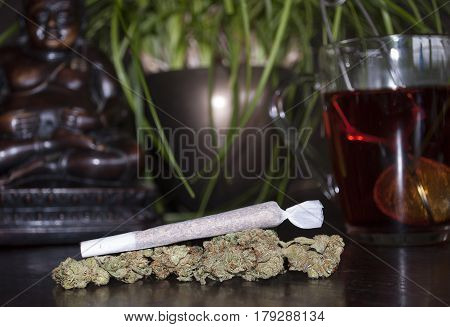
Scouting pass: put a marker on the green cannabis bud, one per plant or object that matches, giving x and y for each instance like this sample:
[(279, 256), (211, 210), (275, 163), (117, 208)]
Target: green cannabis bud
[(127, 267), (78, 274), (180, 260), (252, 255), (318, 257)]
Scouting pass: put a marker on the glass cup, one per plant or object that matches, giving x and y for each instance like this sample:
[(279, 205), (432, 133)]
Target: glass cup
[(386, 117)]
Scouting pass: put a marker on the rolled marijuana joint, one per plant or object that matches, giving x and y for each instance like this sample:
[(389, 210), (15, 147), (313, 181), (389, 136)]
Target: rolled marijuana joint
[(305, 215), (243, 250), (252, 255)]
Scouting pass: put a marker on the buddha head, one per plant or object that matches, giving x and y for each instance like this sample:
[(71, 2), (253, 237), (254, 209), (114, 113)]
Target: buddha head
[(52, 24)]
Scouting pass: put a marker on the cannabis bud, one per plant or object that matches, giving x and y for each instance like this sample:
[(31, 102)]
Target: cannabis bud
[(127, 267), (318, 257), (251, 254), (78, 274), (180, 260)]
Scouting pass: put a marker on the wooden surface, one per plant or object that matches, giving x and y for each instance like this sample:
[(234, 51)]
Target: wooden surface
[(410, 276)]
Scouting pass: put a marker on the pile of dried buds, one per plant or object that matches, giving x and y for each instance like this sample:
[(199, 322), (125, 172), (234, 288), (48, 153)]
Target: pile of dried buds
[(252, 254)]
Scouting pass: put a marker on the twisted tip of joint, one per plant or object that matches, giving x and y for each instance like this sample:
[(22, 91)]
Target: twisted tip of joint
[(306, 215)]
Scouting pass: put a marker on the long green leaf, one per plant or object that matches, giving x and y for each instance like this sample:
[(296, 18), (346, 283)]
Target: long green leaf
[(415, 9), (405, 15), (247, 42), (270, 63), (260, 87), (8, 32), (141, 77), (337, 22), (387, 22), (437, 17)]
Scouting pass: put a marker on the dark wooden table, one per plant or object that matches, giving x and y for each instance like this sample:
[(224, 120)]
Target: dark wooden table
[(409, 276)]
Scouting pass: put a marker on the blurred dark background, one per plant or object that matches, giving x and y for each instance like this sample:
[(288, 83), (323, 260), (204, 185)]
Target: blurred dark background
[(6, 15)]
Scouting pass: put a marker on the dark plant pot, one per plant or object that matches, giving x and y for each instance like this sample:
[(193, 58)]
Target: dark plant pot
[(182, 99)]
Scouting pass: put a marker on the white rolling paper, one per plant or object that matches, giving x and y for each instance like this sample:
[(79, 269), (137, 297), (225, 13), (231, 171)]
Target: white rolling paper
[(305, 215)]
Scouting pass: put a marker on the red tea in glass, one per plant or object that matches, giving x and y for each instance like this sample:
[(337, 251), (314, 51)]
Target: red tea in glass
[(388, 125), (388, 145)]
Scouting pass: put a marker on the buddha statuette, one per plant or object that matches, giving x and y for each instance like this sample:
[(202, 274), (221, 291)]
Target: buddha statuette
[(61, 117)]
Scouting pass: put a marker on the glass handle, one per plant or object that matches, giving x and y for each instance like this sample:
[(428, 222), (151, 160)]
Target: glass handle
[(307, 152)]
